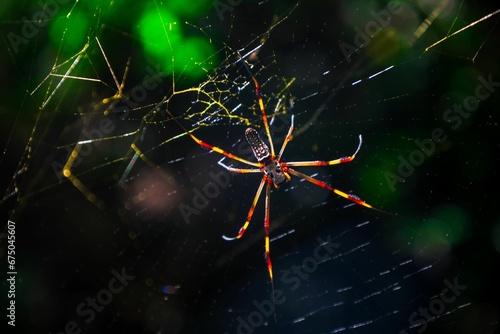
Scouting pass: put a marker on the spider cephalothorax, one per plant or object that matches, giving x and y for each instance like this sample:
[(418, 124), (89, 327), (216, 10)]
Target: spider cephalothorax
[(272, 167), (275, 172)]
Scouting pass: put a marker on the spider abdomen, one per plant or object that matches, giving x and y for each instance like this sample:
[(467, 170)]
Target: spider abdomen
[(259, 148)]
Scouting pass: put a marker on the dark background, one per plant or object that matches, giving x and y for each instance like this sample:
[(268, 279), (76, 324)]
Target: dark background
[(186, 279)]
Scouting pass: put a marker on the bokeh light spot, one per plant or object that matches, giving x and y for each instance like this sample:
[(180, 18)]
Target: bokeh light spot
[(194, 9), (453, 222), (159, 32), (167, 44), (69, 33), (191, 57)]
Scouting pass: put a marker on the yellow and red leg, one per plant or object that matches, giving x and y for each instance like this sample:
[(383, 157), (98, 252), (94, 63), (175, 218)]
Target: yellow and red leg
[(287, 139), (325, 163), (266, 227), (215, 148), (224, 153), (239, 170), (262, 110), (250, 212), (322, 184)]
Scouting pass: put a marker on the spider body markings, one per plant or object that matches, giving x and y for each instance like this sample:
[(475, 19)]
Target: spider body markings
[(272, 167), (275, 171)]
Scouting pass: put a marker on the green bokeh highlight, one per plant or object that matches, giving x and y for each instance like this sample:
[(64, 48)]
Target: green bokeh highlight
[(382, 176), (443, 229), (451, 222), (374, 180), (192, 8), (165, 41), (159, 32), (192, 55), (69, 33), (387, 47)]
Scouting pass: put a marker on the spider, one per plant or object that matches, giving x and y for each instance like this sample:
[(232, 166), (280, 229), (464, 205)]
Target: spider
[(275, 171)]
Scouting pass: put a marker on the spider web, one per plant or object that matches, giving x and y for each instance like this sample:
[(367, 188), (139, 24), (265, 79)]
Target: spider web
[(100, 176)]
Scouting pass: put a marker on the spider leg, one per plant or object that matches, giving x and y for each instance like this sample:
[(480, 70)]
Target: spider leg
[(352, 198), (264, 116), (215, 148), (262, 109), (287, 139), (326, 163), (266, 228), (238, 170), (250, 212), (224, 153)]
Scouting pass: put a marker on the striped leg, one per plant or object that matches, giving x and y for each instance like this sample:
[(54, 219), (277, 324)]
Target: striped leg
[(239, 170), (352, 198), (250, 212), (287, 139), (221, 151), (215, 148), (262, 109), (267, 221), (266, 228), (325, 163)]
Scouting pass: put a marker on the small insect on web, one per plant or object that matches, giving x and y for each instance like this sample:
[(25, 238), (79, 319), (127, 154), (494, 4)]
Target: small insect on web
[(275, 172)]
